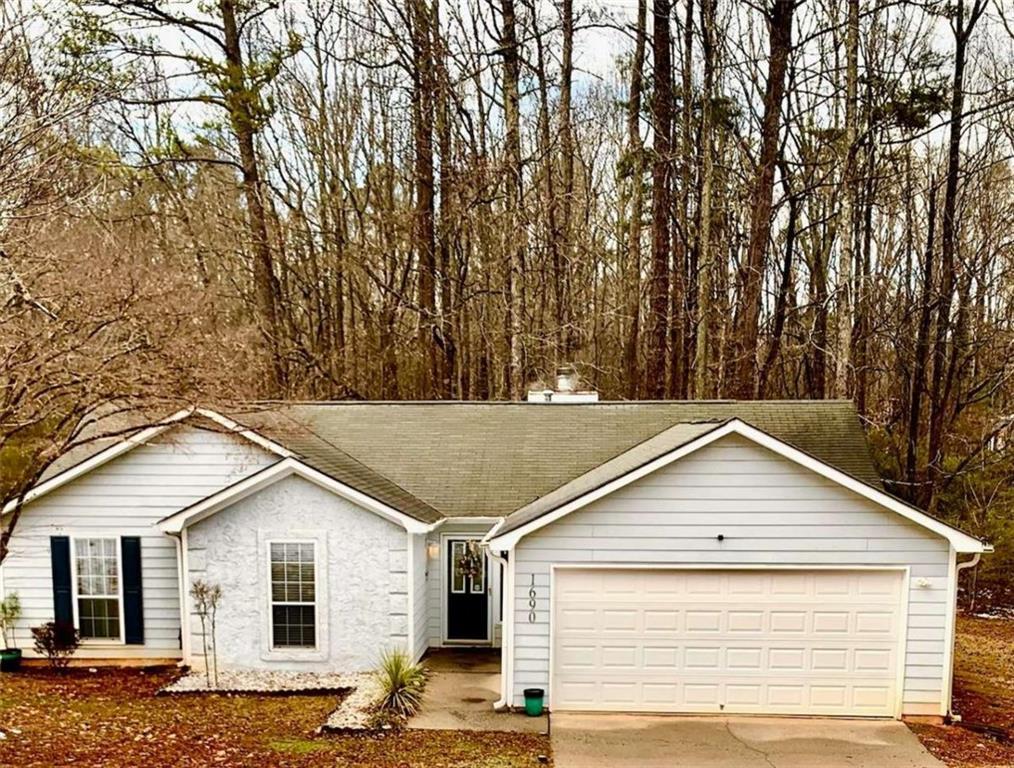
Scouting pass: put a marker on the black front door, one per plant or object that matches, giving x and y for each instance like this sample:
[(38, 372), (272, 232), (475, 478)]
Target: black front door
[(467, 592)]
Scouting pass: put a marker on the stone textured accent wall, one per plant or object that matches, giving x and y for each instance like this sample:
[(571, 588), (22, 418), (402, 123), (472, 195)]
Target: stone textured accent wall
[(362, 578)]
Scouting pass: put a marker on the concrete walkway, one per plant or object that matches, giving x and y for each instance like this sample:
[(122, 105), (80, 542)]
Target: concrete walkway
[(634, 741), (460, 693)]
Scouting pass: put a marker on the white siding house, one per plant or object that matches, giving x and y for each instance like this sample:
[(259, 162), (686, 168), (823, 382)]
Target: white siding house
[(695, 564), (127, 497), (772, 513)]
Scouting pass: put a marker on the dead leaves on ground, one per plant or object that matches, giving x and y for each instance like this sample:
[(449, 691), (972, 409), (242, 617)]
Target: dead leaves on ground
[(983, 693), (112, 717)]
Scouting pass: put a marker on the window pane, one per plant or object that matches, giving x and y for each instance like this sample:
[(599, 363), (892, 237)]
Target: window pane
[(99, 618), (98, 585), (293, 591), (457, 573), (293, 626)]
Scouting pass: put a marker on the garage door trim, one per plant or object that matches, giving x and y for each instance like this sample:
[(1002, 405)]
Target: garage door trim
[(903, 608)]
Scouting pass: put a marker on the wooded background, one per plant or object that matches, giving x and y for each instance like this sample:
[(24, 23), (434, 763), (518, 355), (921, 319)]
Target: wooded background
[(414, 199)]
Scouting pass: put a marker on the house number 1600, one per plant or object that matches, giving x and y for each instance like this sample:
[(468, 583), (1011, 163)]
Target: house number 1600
[(531, 602)]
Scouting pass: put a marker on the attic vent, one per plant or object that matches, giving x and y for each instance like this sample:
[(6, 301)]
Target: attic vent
[(567, 389)]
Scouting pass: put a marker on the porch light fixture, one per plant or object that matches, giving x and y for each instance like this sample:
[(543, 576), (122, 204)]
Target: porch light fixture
[(433, 550)]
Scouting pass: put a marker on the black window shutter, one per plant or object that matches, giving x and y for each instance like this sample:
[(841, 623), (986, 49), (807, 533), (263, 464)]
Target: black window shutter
[(63, 598), (133, 604)]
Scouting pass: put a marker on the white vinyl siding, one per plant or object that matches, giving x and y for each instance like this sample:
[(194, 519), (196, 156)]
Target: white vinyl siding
[(436, 577), (770, 511), (127, 497)]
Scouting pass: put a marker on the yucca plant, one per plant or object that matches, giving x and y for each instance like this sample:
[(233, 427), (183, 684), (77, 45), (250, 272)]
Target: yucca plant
[(402, 684)]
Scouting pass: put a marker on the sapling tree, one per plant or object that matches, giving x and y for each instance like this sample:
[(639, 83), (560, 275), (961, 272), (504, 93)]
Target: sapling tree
[(206, 598), (10, 612)]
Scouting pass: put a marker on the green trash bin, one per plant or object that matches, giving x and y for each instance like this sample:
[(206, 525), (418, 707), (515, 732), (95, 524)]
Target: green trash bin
[(533, 701)]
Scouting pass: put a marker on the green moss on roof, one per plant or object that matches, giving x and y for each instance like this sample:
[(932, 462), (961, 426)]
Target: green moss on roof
[(490, 459)]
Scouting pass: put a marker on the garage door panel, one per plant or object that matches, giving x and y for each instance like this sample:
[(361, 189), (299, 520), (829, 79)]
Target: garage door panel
[(667, 649)]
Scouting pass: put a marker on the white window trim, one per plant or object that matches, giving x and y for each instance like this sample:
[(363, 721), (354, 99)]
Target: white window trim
[(95, 641), (272, 602), (269, 652)]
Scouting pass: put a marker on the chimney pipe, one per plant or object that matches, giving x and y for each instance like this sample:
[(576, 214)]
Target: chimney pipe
[(566, 378)]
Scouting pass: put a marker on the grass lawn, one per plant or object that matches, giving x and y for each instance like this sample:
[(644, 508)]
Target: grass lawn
[(983, 693), (112, 717)]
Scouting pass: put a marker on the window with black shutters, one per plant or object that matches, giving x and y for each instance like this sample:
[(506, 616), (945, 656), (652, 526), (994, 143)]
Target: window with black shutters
[(293, 595)]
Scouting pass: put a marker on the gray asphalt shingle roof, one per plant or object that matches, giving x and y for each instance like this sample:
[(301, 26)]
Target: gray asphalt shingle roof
[(490, 459)]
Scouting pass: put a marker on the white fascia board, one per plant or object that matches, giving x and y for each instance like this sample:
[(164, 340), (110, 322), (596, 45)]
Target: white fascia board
[(100, 458), (237, 428), (962, 542), (270, 475), (465, 519)]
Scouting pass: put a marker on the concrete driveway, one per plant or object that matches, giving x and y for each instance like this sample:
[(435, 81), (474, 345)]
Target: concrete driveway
[(636, 741)]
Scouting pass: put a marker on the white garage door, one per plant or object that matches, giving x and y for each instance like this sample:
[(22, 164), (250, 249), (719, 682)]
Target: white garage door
[(771, 641)]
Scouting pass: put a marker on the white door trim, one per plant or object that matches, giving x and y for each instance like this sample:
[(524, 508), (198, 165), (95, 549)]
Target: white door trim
[(445, 555), (904, 570)]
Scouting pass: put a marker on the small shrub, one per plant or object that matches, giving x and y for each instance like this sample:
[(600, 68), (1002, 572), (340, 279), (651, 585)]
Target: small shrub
[(10, 612), (402, 684), (57, 641), (206, 599)]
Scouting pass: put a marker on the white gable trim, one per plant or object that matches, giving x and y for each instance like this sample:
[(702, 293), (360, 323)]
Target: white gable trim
[(237, 428), (250, 485), (100, 458), (962, 542), (130, 443)]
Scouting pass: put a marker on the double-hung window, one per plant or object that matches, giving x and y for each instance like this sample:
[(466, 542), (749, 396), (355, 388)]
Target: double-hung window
[(293, 595), (97, 583)]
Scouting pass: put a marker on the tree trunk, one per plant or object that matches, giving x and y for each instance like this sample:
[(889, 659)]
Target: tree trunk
[(661, 196), (513, 237), (566, 139), (847, 218), (635, 150), (781, 301), (942, 373), (424, 227), (751, 277), (244, 123), (921, 361), (702, 379)]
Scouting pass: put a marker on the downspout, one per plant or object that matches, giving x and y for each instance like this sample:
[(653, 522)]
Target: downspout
[(180, 582), (970, 563), (507, 639), (950, 672)]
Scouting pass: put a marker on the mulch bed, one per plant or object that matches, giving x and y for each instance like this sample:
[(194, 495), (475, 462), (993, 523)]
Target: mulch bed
[(113, 716), (983, 696)]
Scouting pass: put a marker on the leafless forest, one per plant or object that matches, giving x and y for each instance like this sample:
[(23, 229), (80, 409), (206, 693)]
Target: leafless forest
[(409, 199)]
